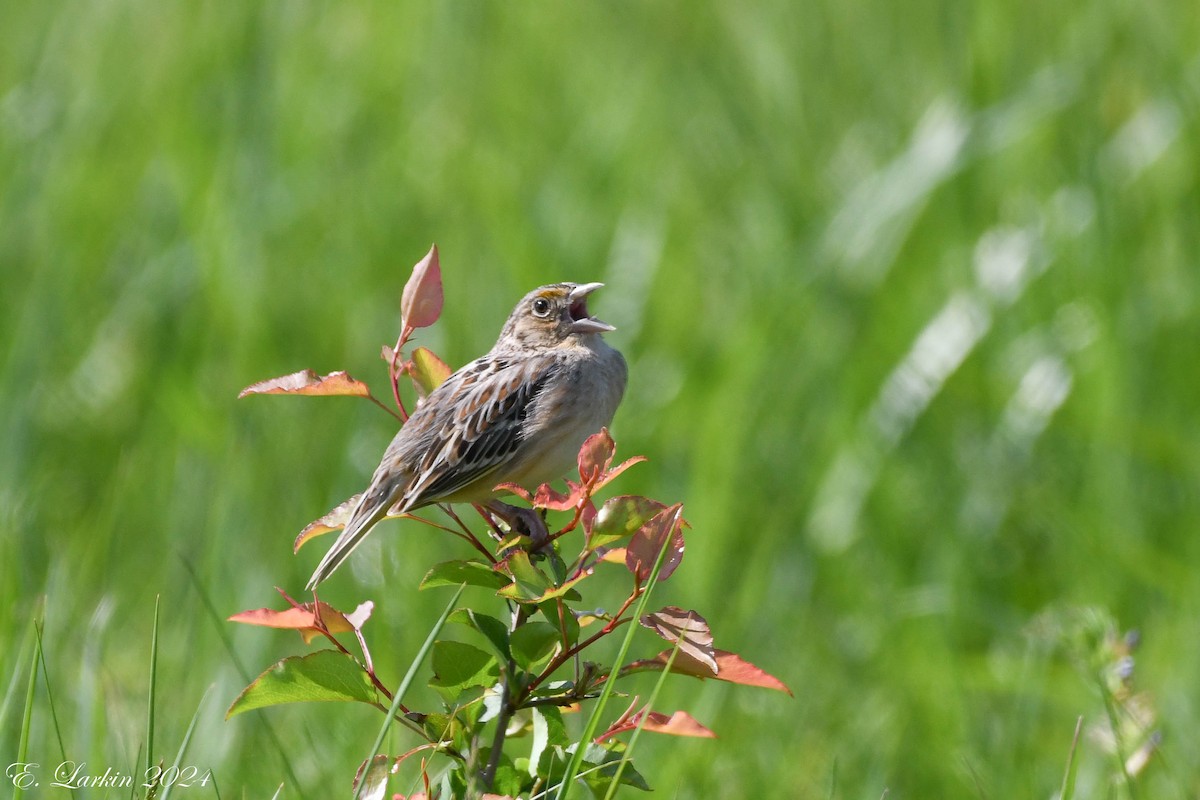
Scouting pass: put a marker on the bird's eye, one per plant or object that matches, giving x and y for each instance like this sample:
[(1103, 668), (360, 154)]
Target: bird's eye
[(541, 307)]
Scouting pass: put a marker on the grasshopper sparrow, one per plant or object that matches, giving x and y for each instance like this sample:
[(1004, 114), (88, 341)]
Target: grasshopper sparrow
[(518, 414)]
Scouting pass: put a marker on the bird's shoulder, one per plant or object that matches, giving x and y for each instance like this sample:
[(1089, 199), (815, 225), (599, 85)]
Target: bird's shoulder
[(484, 391)]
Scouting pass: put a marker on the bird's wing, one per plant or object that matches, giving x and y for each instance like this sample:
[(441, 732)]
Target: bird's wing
[(480, 428), (465, 429)]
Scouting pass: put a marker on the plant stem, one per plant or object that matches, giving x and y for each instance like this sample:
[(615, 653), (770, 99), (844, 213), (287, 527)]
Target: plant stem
[(319, 624), (506, 710), (466, 534), (394, 375), (379, 403), (566, 655)]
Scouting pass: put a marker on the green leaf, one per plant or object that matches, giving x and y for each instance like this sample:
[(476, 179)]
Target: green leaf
[(554, 761), (458, 666), (456, 573), (453, 782), (567, 590), (321, 676), (442, 728), (548, 729), (428, 371), (509, 781), (531, 585), (533, 642), (493, 630), (622, 516), (607, 760), (529, 582)]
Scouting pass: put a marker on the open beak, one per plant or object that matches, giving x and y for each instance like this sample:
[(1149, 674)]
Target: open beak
[(581, 320)]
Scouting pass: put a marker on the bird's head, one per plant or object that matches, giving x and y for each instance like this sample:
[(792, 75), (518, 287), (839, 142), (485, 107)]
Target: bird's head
[(554, 314)]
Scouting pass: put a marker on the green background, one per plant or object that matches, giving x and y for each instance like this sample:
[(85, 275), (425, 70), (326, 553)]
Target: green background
[(908, 291)]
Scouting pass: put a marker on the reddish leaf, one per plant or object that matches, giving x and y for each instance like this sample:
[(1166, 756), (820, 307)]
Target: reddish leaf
[(730, 667), (334, 520), (617, 470), (337, 518), (687, 628), (421, 303), (596, 455), (588, 516), (301, 618), (680, 723), (548, 498), (615, 555), (310, 383), (663, 530), (518, 490), (427, 371)]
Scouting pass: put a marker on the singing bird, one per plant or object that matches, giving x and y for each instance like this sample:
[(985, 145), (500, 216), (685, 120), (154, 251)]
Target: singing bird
[(518, 414)]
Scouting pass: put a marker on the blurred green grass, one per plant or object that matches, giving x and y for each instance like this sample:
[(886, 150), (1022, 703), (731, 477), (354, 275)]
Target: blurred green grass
[(909, 293)]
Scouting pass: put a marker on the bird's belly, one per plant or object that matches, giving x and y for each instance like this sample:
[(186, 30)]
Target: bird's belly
[(553, 453)]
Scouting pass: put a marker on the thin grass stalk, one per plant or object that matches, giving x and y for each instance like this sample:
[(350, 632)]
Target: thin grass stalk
[(558, 786), (187, 738), (27, 716), (153, 687), (405, 684), (137, 758), (41, 650), (223, 634), (593, 721), (1067, 791), (662, 677), (14, 683)]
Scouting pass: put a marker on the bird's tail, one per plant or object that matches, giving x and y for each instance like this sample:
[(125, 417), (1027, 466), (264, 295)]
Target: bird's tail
[(370, 509)]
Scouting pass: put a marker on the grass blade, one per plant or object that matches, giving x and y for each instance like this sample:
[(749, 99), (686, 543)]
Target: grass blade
[(11, 693), (153, 687), (398, 697), (1067, 792), (187, 738), (27, 717), (243, 673), (662, 677), (41, 651), (133, 771), (589, 729)]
